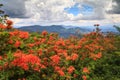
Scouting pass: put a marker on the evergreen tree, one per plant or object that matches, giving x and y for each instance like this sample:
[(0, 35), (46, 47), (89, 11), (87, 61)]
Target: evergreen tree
[(3, 16), (117, 27)]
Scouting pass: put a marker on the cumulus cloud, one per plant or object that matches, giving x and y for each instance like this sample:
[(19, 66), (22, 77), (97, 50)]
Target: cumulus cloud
[(15, 8), (49, 10), (99, 8), (53, 11), (115, 7)]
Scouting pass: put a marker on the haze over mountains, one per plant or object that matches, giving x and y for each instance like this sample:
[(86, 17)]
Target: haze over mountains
[(65, 31)]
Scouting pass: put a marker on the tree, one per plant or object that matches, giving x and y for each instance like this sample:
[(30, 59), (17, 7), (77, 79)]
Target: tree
[(4, 22), (3, 16), (117, 27)]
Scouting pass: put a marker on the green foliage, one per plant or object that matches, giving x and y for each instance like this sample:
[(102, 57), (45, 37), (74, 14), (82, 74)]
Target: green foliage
[(117, 42), (3, 39), (117, 27), (108, 68), (21, 50)]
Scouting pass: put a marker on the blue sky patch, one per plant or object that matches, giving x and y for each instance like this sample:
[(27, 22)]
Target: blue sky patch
[(75, 10), (87, 9)]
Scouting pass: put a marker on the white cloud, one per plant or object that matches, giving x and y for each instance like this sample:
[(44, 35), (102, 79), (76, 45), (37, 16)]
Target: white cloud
[(49, 10), (52, 12)]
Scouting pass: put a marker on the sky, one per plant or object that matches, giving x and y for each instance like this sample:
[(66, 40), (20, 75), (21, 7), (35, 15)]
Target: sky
[(63, 12)]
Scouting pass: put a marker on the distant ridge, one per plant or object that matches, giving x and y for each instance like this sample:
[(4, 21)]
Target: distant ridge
[(61, 30), (65, 31)]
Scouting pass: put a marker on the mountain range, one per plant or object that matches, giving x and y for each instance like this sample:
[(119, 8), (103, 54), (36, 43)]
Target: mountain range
[(64, 31)]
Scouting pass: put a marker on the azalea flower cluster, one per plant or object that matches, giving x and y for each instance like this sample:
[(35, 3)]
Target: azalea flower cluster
[(47, 56), (7, 25)]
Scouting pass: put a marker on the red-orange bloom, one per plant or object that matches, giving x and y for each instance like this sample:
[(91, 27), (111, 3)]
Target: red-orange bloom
[(25, 60), (70, 69), (44, 33), (68, 58), (75, 75), (31, 45), (14, 33), (55, 59), (2, 26), (60, 42), (61, 73), (23, 35), (40, 51), (9, 22), (99, 55), (74, 56), (84, 77), (1, 58), (57, 68), (10, 41), (17, 44), (8, 27), (85, 70)]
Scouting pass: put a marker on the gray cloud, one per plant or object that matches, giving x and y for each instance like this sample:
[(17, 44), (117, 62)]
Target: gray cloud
[(98, 9), (14, 8), (53, 10), (115, 7)]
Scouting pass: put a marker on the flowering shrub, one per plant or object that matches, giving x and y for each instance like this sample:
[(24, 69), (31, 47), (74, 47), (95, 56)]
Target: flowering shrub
[(45, 56)]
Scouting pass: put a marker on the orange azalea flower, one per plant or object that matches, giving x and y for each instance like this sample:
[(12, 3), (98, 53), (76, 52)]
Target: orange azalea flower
[(61, 73), (9, 22), (31, 45), (23, 79), (23, 60), (44, 33), (70, 69), (17, 44), (1, 67), (99, 55), (84, 77), (51, 38), (43, 66), (85, 70), (71, 46), (68, 58), (65, 54), (57, 68), (75, 75), (35, 38), (94, 58), (9, 27), (40, 51), (14, 33), (60, 42), (31, 51), (74, 56), (1, 58), (42, 40), (55, 48), (55, 59), (2, 26), (23, 35), (10, 41)]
